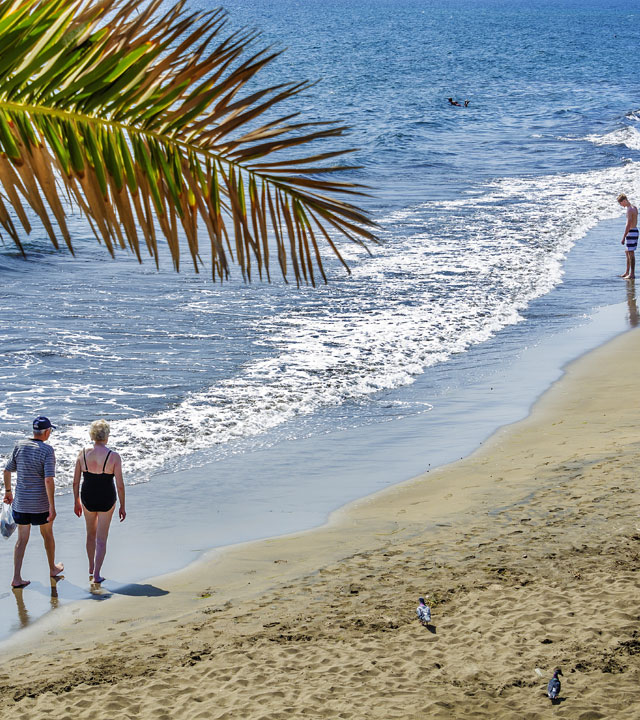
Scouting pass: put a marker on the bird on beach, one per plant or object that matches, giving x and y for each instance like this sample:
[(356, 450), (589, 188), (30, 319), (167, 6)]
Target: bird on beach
[(553, 688), (423, 611)]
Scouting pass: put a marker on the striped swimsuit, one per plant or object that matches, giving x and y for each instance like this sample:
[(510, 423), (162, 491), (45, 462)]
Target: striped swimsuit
[(631, 238)]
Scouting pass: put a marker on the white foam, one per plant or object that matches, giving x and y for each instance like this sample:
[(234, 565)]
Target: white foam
[(628, 136), (451, 274)]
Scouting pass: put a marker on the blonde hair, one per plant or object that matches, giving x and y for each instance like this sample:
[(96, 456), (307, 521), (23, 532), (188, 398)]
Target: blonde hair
[(99, 431), (622, 197)]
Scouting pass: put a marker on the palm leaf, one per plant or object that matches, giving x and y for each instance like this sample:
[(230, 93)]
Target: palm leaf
[(140, 120)]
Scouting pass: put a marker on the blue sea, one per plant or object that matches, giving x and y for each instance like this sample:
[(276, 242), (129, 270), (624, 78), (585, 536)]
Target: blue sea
[(485, 214)]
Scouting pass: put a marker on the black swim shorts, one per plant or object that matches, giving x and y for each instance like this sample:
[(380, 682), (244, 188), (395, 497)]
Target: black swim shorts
[(30, 518)]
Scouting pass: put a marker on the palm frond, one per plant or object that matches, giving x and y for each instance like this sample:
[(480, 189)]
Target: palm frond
[(140, 119)]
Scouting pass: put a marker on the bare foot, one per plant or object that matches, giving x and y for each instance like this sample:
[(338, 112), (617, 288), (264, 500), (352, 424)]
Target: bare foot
[(98, 579), (59, 567), (18, 585), (623, 276), (631, 277)]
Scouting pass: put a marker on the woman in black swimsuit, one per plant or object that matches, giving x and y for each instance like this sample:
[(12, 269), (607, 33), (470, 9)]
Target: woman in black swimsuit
[(98, 467)]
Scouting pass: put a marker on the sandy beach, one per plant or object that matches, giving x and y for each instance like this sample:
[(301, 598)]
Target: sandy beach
[(345, 282), (528, 551)]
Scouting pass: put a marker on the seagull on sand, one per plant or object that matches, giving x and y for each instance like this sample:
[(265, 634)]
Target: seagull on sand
[(553, 688), (423, 612)]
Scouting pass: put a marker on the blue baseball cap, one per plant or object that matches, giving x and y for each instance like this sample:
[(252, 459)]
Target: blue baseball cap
[(42, 423)]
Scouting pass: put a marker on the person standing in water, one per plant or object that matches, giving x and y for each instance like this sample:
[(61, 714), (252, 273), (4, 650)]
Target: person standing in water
[(98, 467), (630, 236)]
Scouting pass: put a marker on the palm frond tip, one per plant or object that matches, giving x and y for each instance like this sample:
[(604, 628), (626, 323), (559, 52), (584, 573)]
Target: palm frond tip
[(139, 119)]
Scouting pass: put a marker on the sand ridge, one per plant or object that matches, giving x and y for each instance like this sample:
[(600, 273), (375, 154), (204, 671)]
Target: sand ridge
[(529, 551)]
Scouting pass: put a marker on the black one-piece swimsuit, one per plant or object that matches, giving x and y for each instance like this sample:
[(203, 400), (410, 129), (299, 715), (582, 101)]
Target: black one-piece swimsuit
[(98, 491)]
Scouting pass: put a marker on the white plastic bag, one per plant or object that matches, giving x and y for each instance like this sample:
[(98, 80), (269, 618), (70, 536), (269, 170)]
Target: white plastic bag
[(7, 523)]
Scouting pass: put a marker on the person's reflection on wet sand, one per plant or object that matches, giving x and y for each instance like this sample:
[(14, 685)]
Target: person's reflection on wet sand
[(634, 318), (23, 613), (98, 591), (55, 601)]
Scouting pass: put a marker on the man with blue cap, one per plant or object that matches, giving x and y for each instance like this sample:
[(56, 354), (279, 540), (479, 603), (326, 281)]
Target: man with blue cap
[(34, 502)]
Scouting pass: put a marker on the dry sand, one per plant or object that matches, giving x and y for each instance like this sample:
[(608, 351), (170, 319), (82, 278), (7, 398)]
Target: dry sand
[(529, 551)]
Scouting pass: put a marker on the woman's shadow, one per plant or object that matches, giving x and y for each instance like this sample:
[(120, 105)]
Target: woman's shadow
[(131, 590)]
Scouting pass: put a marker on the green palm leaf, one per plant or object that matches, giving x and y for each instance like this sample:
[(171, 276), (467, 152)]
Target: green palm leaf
[(139, 119)]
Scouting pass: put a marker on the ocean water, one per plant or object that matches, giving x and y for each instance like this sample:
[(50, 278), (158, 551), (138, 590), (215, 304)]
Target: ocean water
[(478, 209)]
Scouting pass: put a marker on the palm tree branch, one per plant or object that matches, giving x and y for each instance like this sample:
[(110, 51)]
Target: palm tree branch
[(170, 141), (140, 122)]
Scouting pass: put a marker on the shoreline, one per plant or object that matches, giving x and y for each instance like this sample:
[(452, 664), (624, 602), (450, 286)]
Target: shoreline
[(151, 538), (296, 483), (545, 548)]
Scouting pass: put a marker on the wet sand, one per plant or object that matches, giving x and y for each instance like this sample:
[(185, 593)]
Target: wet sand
[(281, 485), (529, 552)]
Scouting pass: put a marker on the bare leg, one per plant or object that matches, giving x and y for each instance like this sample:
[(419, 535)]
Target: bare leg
[(24, 531), (91, 521), (632, 265), (626, 272), (104, 521), (46, 531)]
